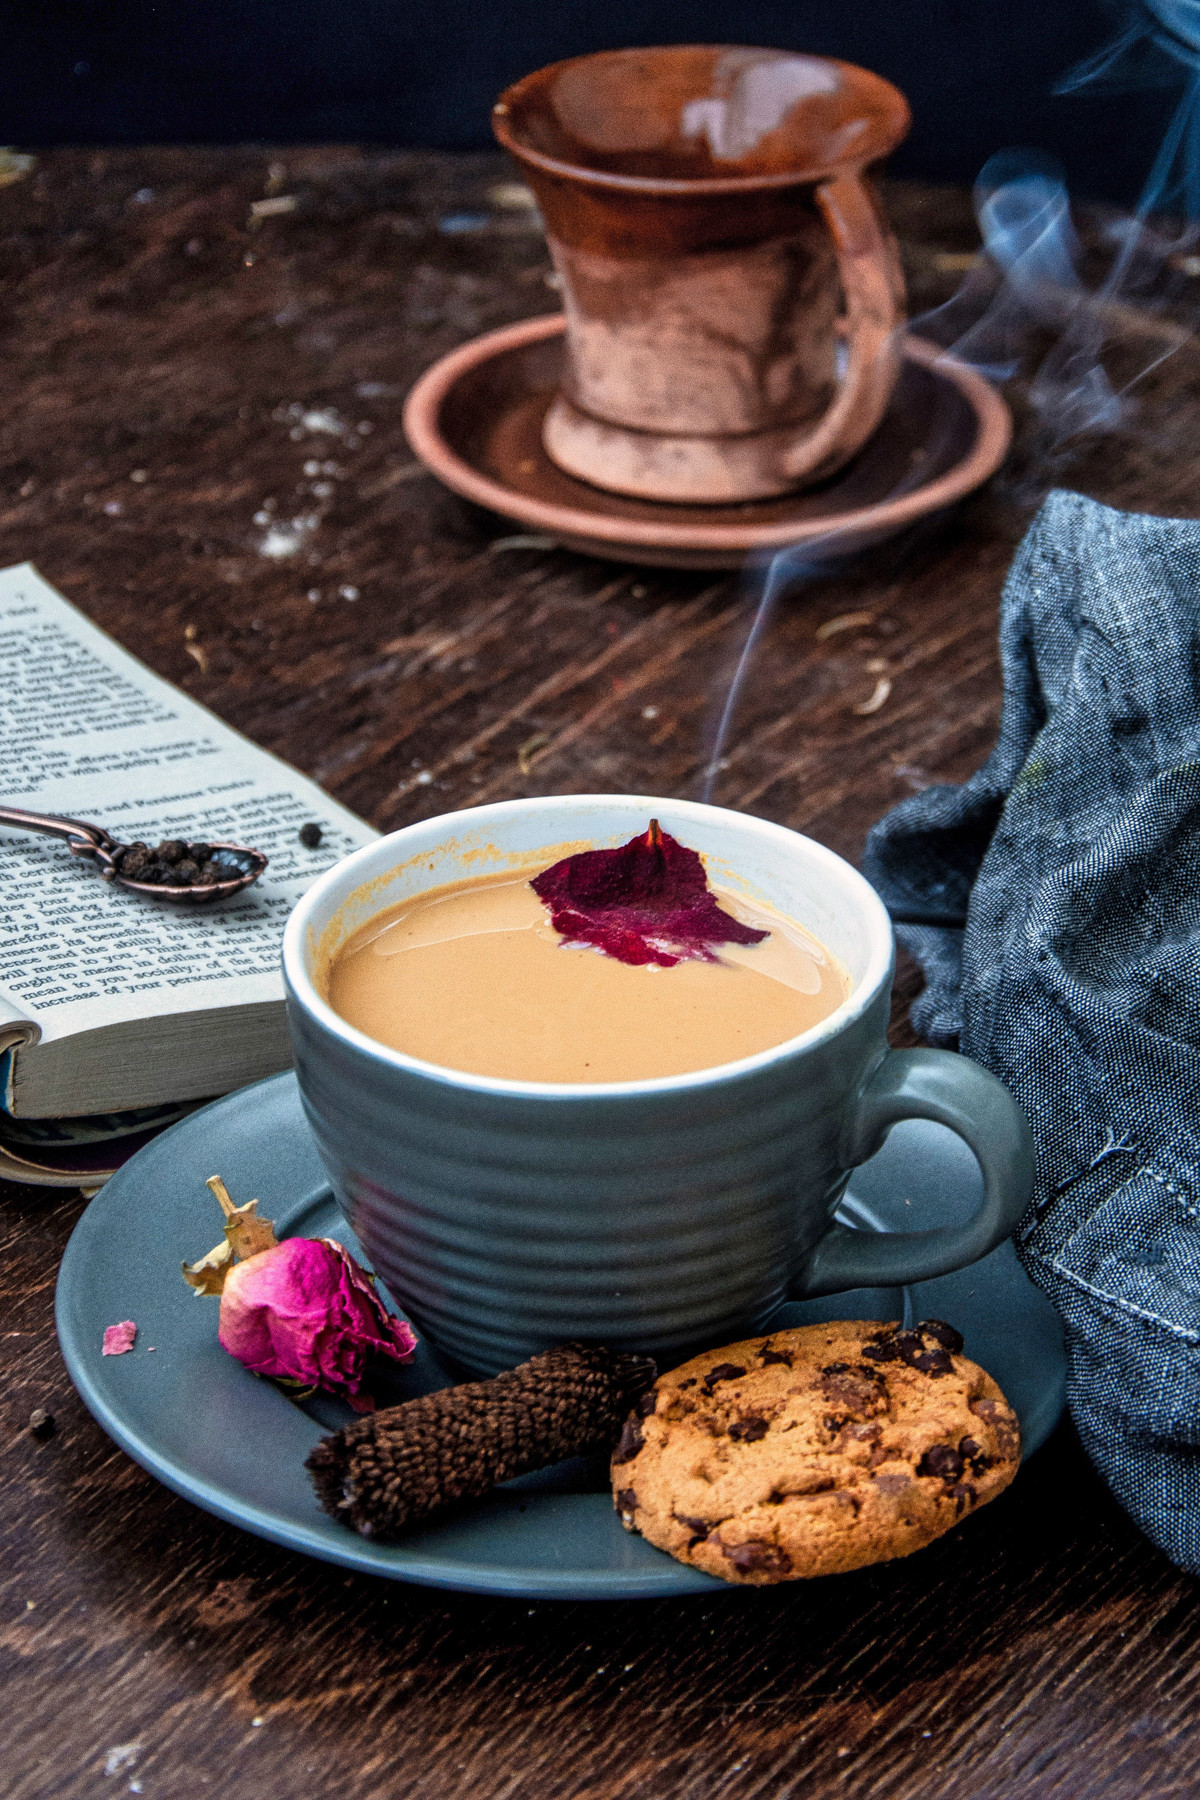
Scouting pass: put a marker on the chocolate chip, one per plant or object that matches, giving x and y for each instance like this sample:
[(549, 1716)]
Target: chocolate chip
[(854, 1390), (626, 1501), (884, 1348), (755, 1558), (975, 1454), (911, 1347), (771, 1355), (723, 1372), (41, 1423), (963, 1495), (647, 1403), (1002, 1421), (697, 1527), (929, 1362), (942, 1461), (749, 1429), (631, 1442), (690, 1382), (310, 835), (942, 1334), (859, 1374)]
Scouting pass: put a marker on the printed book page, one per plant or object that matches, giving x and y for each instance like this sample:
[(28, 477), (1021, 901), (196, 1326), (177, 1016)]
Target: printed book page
[(87, 730)]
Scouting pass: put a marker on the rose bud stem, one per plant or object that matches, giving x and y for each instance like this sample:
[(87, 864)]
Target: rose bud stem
[(222, 1194), (383, 1472)]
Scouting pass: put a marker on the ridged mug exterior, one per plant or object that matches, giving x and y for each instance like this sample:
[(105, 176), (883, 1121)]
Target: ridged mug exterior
[(506, 1217)]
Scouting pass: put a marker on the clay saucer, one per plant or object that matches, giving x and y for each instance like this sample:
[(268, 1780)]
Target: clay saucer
[(475, 420)]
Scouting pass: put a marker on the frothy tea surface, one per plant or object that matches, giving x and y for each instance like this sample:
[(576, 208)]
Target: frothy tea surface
[(474, 977)]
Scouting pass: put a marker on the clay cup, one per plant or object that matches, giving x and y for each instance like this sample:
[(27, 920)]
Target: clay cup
[(733, 294)]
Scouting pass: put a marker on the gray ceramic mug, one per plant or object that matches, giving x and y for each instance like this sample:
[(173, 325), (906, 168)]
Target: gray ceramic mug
[(662, 1215)]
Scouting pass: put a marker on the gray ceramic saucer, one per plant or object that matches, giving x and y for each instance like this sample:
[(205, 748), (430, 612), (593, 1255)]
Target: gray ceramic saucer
[(233, 1444)]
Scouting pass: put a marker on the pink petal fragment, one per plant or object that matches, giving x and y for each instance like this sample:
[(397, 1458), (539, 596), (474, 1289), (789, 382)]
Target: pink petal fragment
[(119, 1338)]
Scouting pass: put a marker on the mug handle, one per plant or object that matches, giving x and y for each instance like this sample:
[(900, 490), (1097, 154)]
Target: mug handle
[(873, 284), (929, 1084)]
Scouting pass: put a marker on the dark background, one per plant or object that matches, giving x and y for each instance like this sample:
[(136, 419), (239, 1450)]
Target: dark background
[(979, 73)]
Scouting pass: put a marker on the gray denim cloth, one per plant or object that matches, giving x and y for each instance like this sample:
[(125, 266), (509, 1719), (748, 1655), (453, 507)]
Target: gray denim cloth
[(1077, 978)]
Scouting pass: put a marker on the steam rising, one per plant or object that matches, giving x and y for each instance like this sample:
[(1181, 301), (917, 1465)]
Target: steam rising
[(1028, 282), (1030, 277), (1157, 47)]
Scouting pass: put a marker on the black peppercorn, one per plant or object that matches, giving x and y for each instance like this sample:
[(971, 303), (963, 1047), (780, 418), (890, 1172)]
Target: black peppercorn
[(173, 863)]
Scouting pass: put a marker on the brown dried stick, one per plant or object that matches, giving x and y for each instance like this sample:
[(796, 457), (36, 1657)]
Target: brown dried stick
[(383, 1472)]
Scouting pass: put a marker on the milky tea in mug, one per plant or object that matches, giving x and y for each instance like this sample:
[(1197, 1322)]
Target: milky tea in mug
[(473, 976), (656, 1212)]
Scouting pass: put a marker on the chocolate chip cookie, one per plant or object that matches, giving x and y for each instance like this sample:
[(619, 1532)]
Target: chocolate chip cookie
[(814, 1451)]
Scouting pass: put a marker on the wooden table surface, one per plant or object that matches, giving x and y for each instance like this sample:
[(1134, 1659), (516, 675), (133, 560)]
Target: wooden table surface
[(179, 373)]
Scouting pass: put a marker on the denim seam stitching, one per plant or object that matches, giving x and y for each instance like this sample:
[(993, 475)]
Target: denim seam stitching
[(1125, 1306), (1190, 1209)]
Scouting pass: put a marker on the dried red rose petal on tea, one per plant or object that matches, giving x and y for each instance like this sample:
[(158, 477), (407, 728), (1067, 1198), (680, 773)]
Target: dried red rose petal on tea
[(646, 902)]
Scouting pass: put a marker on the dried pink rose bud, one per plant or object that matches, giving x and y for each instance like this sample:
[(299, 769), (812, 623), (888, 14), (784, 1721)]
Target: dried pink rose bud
[(305, 1311)]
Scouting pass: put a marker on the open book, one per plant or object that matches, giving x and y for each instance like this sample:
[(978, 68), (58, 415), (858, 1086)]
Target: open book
[(109, 1001)]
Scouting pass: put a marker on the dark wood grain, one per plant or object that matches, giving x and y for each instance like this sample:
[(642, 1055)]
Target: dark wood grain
[(147, 330)]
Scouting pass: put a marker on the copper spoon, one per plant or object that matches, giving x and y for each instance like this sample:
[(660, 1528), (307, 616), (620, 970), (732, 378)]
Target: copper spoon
[(245, 866)]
